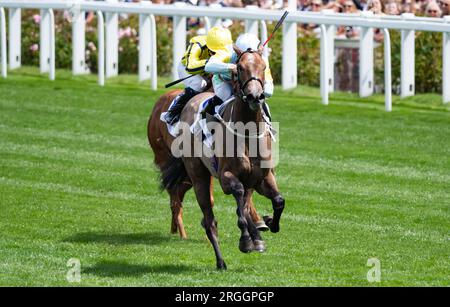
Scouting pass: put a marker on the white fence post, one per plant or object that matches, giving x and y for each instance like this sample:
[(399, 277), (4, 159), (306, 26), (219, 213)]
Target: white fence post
[(112, 43), (44, 44), (251, 26), (154, 56), (215, 22), (144, 47), (366, 59), (289, 60), (324, 82), (52, 41), (387, 71), (446, 64), (263, 38), (179, 39), (15, 29), (407, 70), (101, 48), (207, 23), (331, 30), (79, 43), (3, 42)]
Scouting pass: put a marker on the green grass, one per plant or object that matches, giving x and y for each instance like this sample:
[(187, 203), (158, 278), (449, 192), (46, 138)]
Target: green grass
[(77, 181)]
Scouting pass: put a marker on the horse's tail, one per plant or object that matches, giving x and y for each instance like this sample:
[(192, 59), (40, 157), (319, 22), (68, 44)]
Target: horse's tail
[(173, 172)]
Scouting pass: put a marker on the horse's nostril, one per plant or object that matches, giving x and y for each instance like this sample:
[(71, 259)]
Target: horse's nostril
[(250, 97)]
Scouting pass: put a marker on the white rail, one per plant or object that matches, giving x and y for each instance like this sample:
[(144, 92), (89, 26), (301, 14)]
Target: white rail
[(3, 42), (213, 14)]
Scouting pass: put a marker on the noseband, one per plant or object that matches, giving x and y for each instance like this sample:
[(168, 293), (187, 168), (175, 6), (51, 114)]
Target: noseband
[(243, 85)]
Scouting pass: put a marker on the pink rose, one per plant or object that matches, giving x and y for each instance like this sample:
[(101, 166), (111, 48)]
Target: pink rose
[(34, 47), (127, 32), (37, 18)]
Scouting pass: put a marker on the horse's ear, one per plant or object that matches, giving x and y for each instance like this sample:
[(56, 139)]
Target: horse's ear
[(261, 50), (237, 50)]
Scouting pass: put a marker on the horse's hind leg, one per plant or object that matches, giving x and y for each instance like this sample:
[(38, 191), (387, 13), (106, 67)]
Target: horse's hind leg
[(257, 220), (176, 205), (209, 222), (252, 218), (201, 180)]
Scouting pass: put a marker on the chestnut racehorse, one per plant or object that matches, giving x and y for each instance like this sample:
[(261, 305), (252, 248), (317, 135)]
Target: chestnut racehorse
[(239, 175)]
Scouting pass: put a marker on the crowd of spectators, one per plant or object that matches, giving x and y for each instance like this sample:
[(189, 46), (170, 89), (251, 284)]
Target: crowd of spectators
[(429, 8)]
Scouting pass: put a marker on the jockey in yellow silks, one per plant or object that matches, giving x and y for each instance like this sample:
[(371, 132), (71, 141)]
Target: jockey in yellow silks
[(192, 63), (223, 63)]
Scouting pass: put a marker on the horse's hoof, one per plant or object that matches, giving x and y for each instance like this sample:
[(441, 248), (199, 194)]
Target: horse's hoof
[(246, 245), (259, 246), (261, 226), (221, 266), (269, 222), (275, 229)]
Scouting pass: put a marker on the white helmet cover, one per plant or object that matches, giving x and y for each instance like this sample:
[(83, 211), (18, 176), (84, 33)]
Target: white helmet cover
[(247, 41)]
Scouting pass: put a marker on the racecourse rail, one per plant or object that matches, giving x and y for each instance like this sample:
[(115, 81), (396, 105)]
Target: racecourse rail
[(255, 22)]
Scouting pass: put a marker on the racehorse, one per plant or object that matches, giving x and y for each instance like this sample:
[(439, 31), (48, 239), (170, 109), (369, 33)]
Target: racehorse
[(239, 174), (160, 141)]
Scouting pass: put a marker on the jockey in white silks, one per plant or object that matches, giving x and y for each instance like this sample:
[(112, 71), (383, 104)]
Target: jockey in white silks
[(222, 65)]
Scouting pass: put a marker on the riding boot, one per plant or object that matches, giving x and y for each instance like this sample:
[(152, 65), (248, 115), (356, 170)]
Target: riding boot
[(211, 106), (173, 114)]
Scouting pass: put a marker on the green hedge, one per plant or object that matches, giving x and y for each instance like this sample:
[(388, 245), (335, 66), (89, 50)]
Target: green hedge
[(428, 51)]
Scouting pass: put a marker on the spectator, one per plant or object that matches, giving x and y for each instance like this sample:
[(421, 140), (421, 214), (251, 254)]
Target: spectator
[(303, 5), (408, 6), (433, 10), (391, 8), (335, 6), (265, 4), (316, 5), (360, 5), (445, 7), (349, 7), (376, 7)]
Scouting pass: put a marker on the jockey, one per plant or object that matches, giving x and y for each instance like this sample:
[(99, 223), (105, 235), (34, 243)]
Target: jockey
[(223, 64), (197, 55)]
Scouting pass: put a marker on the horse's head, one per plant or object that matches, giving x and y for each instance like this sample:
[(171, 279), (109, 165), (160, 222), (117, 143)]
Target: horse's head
[(250, 77)]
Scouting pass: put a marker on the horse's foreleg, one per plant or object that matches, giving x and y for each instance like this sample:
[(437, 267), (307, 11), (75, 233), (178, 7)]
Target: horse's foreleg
[(269, 189), (231, 185), (176, 205)]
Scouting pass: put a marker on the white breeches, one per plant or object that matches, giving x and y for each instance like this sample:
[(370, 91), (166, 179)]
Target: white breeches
[(198, 83), (222, 89)]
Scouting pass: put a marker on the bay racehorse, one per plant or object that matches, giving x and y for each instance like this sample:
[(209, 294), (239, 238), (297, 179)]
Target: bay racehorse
[(239, 174)]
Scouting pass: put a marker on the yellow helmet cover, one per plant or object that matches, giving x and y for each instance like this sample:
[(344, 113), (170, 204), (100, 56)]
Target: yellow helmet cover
[(218, 38)]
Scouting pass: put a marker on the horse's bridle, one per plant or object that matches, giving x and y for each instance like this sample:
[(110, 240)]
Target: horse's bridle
[(243, 85)]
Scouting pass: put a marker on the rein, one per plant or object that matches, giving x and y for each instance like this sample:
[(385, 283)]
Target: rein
[(233, 131), (242, 86)]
